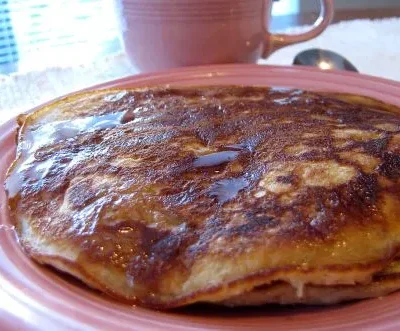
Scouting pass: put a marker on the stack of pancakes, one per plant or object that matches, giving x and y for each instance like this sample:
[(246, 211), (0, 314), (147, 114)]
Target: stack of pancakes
[(229, 195)]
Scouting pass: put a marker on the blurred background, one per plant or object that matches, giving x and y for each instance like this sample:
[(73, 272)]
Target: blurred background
[(36, 34)]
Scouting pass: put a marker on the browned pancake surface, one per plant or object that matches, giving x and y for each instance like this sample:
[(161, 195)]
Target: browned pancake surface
[(183, 195)]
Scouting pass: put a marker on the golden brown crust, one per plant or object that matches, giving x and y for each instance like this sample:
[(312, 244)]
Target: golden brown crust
[(188, 195)]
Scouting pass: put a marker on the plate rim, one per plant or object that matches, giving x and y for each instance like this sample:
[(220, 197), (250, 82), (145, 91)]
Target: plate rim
[(226, 70)]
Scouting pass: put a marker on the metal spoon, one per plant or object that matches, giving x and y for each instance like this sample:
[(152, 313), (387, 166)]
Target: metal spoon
[(324, 59)]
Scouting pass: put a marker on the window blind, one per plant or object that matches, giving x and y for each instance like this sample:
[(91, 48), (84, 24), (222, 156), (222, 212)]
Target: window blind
[(8, 50), (42, 33)]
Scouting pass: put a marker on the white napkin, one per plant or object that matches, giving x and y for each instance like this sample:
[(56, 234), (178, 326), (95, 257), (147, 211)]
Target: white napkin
[(373, 46)]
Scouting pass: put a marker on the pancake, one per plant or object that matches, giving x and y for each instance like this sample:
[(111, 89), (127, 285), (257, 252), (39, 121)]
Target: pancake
[(165, 197), (283, 293)]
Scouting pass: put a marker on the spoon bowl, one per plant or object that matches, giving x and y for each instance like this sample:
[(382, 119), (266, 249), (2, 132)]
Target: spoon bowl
[(324, 59)]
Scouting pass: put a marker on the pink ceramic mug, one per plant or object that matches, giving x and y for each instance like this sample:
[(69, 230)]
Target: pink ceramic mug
[(160, 34)]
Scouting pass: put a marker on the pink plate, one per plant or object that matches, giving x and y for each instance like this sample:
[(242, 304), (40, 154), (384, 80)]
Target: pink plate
[(34, 297)]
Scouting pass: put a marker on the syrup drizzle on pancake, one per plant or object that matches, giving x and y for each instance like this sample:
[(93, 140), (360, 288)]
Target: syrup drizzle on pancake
[(51, 134)]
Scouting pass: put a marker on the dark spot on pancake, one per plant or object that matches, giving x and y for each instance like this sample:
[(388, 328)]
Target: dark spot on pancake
[(181, 198), (252, 142), (289, 179), (81, 194), (143, 263), (258, 218), (310, 155), (390, 166), (212, 229), (207, 134), (252, 227), (160, 252), (376, 147), (361, 193)]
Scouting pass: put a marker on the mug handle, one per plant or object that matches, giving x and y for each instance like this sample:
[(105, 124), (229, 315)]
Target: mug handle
[(276, 41)]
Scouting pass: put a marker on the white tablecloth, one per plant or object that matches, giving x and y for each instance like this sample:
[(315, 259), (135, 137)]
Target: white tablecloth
[(373, 46)]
